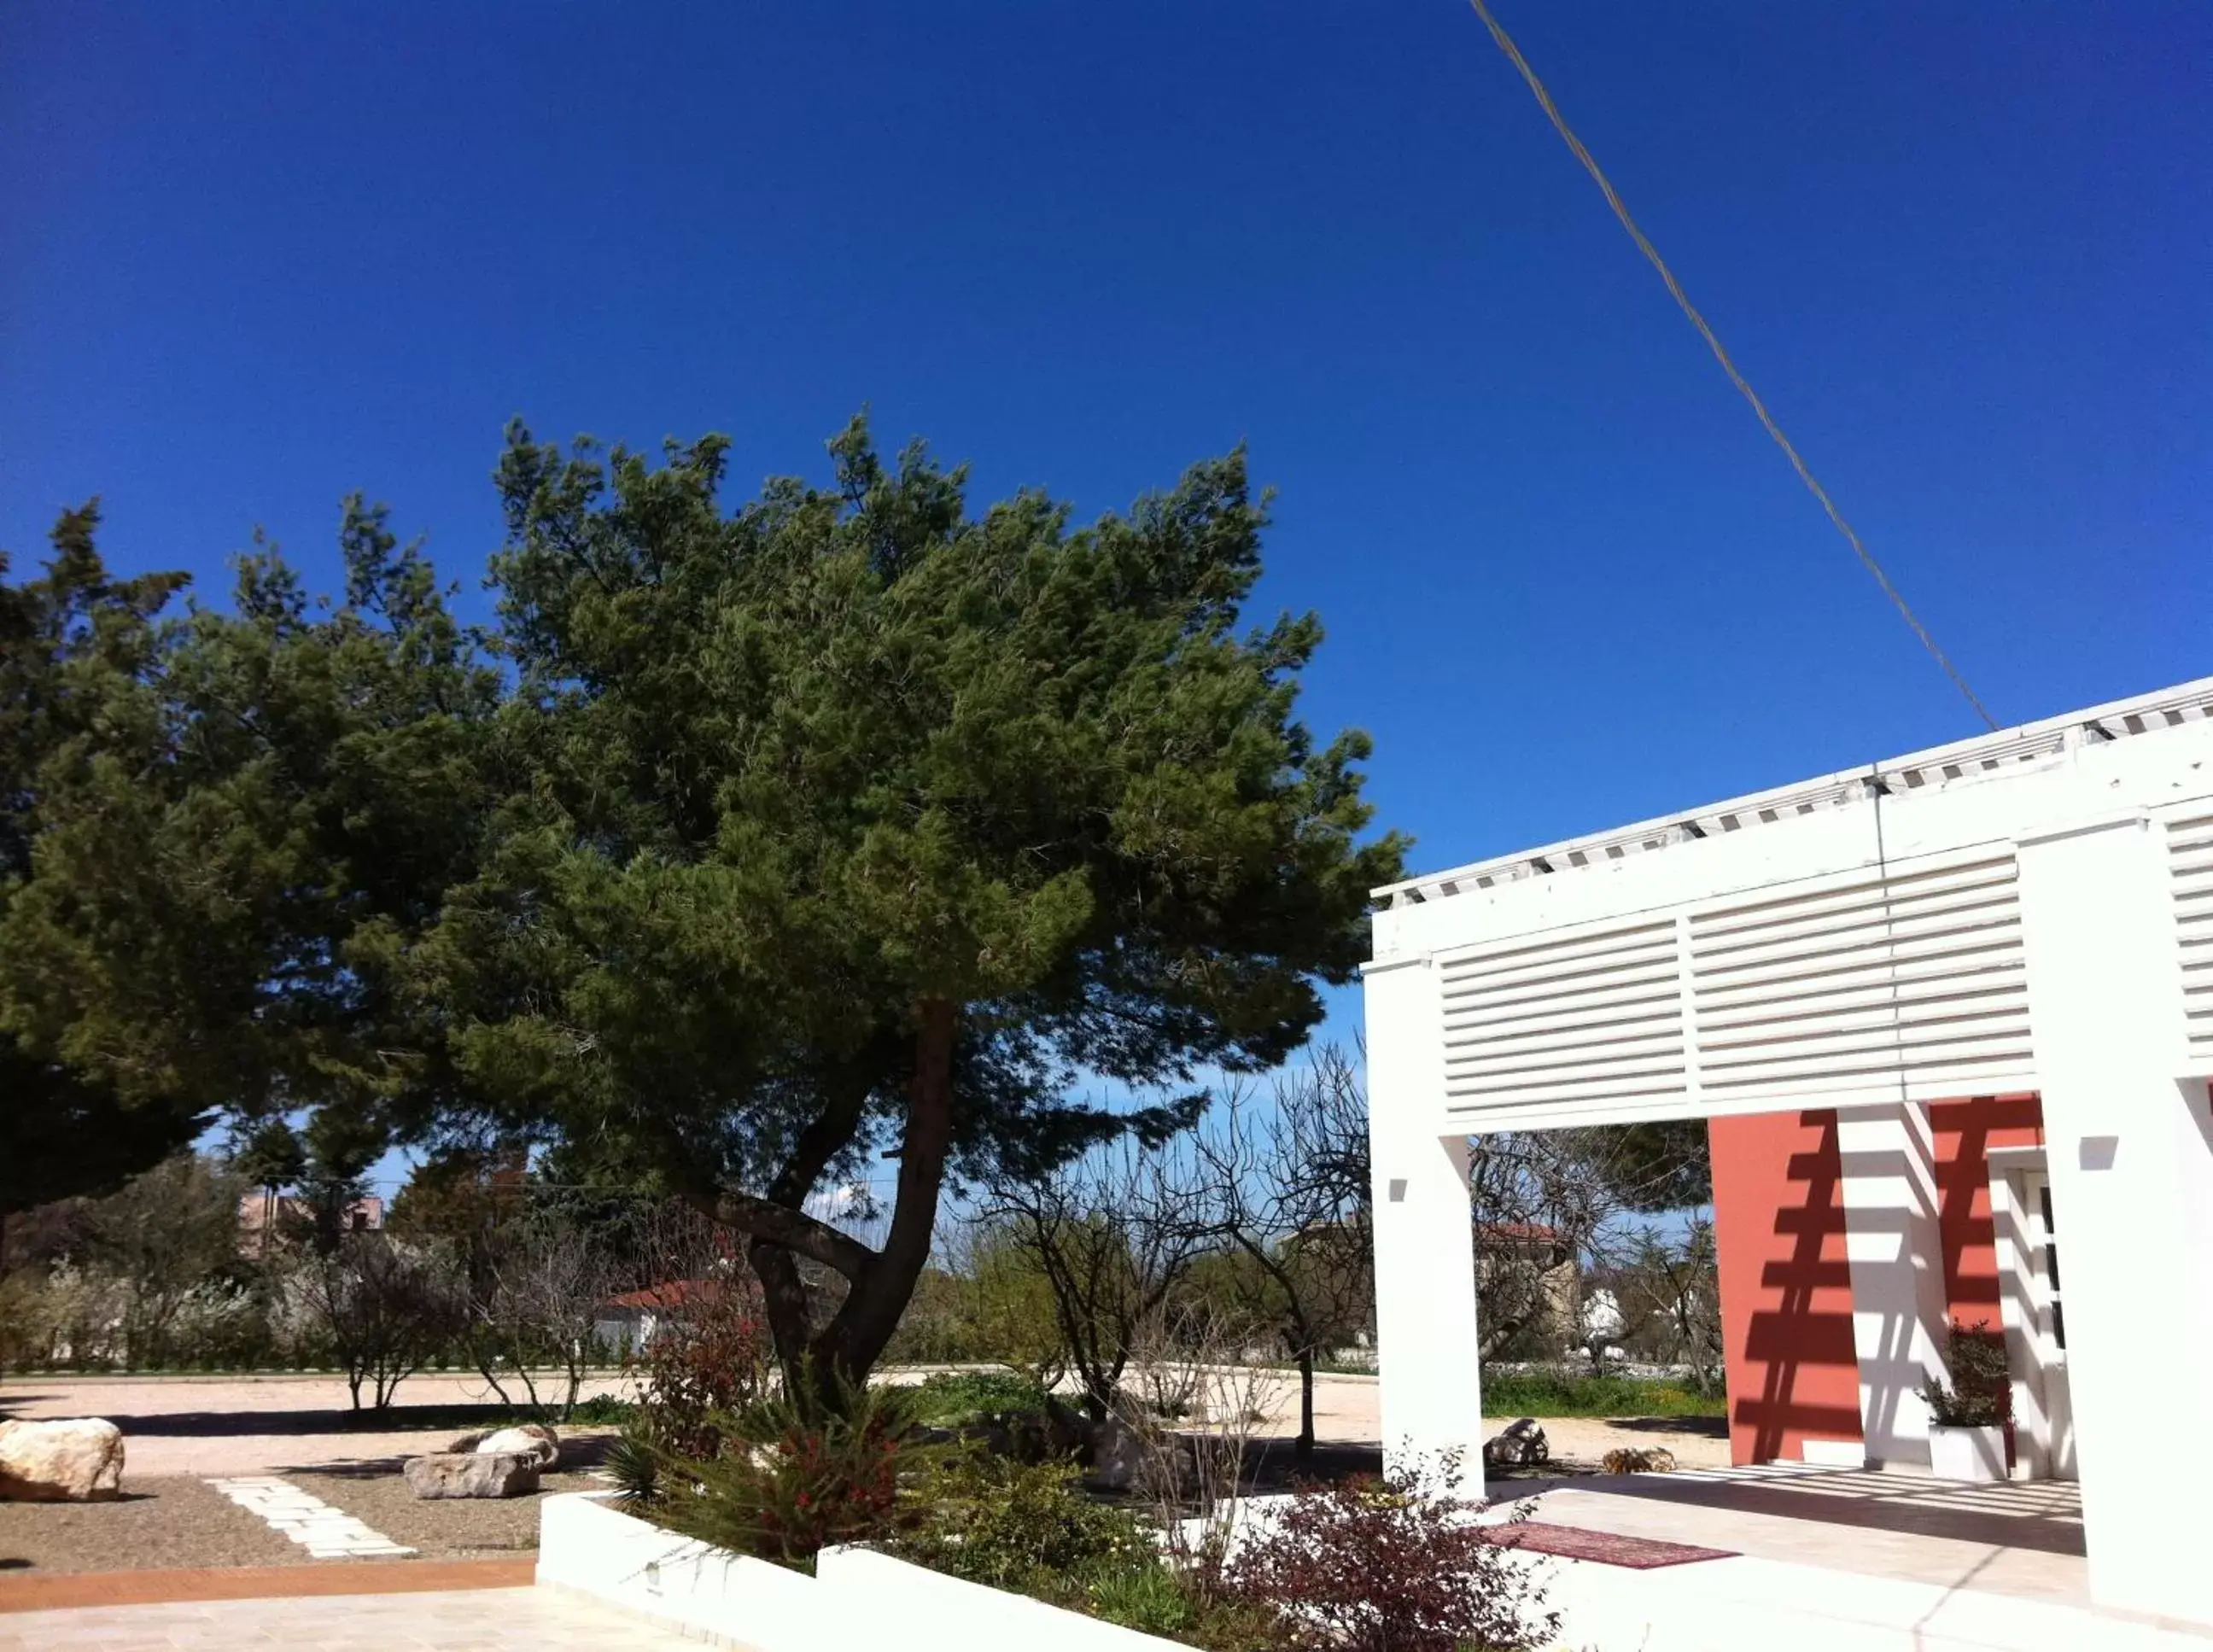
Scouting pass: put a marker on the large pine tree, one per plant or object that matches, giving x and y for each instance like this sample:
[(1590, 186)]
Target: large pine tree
[(850, 825)]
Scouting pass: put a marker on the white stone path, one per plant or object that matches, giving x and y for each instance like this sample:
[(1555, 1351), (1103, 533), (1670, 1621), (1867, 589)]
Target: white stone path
[(326, 1533)]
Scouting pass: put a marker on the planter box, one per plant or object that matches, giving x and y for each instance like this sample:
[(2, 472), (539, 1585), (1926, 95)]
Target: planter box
[(857, 1598), (1971, 1454)]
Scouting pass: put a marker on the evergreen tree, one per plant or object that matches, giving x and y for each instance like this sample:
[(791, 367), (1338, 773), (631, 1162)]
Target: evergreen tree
[(76, 649), (851, 827), (218, 828)]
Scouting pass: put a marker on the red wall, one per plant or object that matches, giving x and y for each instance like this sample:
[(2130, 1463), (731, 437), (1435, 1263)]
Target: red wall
[(1786, 1287), (1965, 1131)]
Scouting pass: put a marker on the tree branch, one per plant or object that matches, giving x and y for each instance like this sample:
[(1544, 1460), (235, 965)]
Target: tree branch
[(795, 1230)]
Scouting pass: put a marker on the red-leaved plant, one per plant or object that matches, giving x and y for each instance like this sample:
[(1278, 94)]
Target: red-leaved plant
[(1391, 1564), (712, 1356)]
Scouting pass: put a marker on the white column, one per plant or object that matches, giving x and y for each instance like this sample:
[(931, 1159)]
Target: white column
[(2129, 1150), (1893, 1241), (1425, 1330)]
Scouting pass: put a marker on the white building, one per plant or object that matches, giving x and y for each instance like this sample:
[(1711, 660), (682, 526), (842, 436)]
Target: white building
[(1951, 1014)]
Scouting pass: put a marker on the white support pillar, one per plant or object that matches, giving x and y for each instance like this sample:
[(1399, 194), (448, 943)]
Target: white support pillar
[(1893, 1239), (2130, 1151), (1425, 1330)]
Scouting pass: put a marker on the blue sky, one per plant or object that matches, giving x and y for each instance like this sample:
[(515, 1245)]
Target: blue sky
[(259, 255)]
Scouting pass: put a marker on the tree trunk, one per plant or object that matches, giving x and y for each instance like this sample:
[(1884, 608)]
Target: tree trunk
[(1306, 1403), (849, 1345)]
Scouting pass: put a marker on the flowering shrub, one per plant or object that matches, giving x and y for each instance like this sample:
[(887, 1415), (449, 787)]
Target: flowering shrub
[(1395, 1565)]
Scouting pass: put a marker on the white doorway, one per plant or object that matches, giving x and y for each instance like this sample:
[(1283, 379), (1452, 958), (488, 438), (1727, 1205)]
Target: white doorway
[(2044, 1326)]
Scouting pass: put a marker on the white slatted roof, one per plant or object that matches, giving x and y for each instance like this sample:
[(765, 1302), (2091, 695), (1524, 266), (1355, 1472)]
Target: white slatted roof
[(1965, 759)]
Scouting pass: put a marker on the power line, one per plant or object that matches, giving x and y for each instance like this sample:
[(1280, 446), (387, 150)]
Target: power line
[(1713, 343)]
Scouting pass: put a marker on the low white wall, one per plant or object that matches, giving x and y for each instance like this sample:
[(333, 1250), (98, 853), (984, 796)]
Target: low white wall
[(856, 1598), (731, 1599), (894, 1604)]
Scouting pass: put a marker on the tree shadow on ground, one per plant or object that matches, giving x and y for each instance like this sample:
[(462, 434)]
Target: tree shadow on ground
[(394, 1419), (1706, 1428), (578, 1452)]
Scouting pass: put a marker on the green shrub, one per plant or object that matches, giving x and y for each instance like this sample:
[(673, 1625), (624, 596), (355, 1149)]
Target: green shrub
[(953, 1399), (1571, 1393), (1021, 1527), (788, 1479), (1981, 1392)]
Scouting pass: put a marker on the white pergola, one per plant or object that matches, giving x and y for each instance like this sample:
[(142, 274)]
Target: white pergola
[(2029, 911)]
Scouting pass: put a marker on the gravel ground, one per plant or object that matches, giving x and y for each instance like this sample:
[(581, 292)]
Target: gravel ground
[(158, 1523), (442, 1529), (267, 1424)]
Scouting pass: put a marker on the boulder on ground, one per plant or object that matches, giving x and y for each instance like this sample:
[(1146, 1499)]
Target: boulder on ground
[(534, 1439), (77, 1460), (473, 1474), (1519, 1443), (1114, 1454)]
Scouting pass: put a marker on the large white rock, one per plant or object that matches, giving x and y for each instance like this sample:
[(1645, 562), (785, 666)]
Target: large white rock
[(533, 1440), (77, 1459)]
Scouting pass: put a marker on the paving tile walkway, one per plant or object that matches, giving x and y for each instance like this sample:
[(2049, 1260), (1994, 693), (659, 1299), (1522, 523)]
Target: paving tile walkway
[(324, 1531), (481, 1620)]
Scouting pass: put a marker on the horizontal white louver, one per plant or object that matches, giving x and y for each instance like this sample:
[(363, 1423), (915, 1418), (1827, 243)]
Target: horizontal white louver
[(1594, 1018), (1919, 977), (2190, 859)]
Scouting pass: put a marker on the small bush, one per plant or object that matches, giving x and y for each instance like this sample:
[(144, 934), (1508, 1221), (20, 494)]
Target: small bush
[(713, 1362), (1980, 1394), (1395, 1565), (953, 1399), (787, 1480), (1025, 1527)]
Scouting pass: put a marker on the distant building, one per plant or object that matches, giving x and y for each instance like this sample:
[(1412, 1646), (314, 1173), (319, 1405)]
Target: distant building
[(261, 1214), (629, 1322)]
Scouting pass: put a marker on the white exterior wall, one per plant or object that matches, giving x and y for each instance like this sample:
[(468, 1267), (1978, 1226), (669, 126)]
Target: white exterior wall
[(2030, 910), (1893, 1241), (2131, 1174), (1425, 1328)]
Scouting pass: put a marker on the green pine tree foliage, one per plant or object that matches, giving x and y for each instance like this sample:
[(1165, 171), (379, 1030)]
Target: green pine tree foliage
[(77, 646), (231, 823), (852, 827)]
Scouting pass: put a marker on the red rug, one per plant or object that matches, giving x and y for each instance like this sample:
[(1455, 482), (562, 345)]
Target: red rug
[(1607, 1548)]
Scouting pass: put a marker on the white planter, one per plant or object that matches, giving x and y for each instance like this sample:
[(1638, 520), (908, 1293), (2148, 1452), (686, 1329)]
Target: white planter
[(857, 1598), (1971, 1454)]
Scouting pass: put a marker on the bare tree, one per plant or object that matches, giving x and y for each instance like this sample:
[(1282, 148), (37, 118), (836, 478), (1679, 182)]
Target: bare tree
[(1113, 1234), (1551, 1205), (1669, 1290), (385, 1306), (1288, 1195), (1190, 1470), (538, 1284)]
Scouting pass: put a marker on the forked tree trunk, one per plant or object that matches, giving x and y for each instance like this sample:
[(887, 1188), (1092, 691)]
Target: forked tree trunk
[(816, 1364)]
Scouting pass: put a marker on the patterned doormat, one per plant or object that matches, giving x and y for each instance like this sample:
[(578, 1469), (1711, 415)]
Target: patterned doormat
[(1607, 1548)]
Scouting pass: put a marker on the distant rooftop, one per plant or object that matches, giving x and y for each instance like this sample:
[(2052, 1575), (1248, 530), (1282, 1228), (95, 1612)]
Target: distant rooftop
[(2032, 743)]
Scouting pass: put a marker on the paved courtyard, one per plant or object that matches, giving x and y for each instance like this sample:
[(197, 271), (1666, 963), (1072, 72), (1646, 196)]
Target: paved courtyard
[(2022, 1540), (462, 1620)]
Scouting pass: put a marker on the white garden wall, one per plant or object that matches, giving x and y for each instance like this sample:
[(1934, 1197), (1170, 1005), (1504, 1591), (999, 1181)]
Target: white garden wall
[(857, 1598)]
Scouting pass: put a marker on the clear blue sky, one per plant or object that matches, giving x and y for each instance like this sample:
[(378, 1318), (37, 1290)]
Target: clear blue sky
[(259, 255)]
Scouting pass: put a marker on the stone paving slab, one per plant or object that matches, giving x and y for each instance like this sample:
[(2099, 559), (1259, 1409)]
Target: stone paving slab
[(480, 1620), (324, 1531)]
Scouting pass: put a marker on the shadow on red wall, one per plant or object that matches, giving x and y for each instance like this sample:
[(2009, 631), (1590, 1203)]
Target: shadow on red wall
[(1964, 1133), (1786, 1286)]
